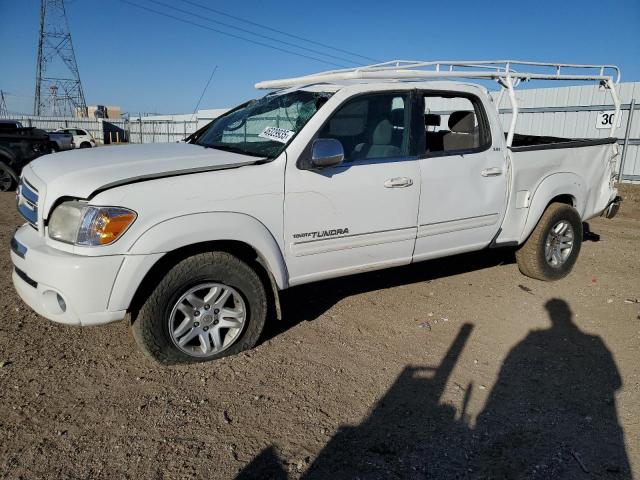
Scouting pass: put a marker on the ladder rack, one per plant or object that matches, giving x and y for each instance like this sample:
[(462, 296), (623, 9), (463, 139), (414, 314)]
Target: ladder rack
[(484, 69), (502, 71)]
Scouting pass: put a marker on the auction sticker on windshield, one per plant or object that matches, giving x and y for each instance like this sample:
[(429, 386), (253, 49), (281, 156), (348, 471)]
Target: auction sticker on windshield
[(277, 134)]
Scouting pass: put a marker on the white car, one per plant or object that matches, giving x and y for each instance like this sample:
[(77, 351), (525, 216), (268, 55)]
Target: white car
[(81, 138), (330, 175)]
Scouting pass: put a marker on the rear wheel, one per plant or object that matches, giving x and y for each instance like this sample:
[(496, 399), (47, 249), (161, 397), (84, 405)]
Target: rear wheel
[(206, 307), (7, 181), (85, 145), (552, 249)]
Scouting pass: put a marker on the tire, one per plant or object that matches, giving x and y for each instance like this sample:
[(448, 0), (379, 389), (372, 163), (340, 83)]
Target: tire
[(7, 178), (85, 145), (54, 148), (161, 313), (548, 255)]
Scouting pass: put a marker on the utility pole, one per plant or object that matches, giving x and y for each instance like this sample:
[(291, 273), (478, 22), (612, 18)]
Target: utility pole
[(3, 106), (58, 86)]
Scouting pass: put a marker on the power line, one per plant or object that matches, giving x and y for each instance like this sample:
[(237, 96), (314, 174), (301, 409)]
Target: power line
[(250, 32), (10, 94), (255, 24), (168, 15)]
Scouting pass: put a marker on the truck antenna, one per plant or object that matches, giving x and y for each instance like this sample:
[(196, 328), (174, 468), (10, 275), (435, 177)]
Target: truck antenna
[(195, 110)]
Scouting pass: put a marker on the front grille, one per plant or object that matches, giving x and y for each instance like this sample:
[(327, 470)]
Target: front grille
[(28, 202)]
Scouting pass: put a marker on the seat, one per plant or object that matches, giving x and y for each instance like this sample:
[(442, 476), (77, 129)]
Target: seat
[(380, 146), (463, 134)]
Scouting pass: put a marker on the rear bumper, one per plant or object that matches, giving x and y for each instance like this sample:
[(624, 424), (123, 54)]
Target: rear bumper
[(612, 208)]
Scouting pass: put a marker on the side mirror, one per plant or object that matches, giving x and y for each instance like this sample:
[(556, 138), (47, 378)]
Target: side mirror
[(326, 152)]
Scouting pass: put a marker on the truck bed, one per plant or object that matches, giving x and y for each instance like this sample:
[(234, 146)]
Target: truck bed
[(543, 167)]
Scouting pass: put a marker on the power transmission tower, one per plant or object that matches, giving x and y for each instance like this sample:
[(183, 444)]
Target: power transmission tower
[(58, 87), (3, 106)]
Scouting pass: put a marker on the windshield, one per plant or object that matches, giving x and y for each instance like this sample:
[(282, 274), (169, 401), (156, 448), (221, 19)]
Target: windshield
[(263, 127)]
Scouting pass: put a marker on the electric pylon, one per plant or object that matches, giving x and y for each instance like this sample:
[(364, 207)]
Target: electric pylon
[(58, 87), (3, 105)]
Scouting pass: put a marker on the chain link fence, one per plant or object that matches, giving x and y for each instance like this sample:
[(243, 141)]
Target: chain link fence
[(111, 131)]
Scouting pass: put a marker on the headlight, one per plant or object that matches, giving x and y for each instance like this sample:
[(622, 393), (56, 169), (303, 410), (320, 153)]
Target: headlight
[(82, 224)]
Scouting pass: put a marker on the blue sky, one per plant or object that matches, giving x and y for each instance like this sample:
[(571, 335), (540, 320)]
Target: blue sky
[(148, 63)]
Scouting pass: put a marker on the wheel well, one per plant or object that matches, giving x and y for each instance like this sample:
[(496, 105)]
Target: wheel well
[(242, 250), (564, 198)]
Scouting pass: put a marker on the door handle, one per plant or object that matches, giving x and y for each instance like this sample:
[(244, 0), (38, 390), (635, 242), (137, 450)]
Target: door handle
[(398, 182), (491, 172)]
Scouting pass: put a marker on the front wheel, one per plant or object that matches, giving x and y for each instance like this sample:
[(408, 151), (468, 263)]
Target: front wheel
[(208, 306), (552, 249)]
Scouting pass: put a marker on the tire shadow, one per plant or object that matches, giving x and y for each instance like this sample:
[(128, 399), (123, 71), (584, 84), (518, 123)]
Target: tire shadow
[(588, 235)]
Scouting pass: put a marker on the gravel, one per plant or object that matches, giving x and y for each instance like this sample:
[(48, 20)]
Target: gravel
[(512, 378)]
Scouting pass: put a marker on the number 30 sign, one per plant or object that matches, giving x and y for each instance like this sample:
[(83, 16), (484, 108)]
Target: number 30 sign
[(605, 119)]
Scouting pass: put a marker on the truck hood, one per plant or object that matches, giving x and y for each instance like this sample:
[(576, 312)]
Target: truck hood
[(83, 172)]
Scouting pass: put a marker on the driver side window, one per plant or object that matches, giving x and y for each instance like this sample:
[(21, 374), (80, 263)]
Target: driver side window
[(371, 127)]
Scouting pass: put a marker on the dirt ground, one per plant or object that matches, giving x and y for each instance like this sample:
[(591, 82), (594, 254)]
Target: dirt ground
[(458, 368)]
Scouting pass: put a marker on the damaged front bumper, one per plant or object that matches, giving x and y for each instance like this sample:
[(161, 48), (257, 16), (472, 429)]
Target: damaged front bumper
[(60, 286)]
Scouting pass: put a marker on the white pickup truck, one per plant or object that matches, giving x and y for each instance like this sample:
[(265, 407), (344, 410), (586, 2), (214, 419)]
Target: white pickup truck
[(327, 175)]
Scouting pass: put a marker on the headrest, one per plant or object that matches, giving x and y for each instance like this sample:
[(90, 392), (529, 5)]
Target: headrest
[(431, 120), (382, 133), (462, 122), (397, 117)]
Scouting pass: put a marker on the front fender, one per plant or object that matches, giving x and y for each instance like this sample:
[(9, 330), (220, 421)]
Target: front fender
[(185, 230), (563, 183)]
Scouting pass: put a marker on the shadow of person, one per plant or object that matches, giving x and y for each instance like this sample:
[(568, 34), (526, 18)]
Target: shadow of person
[(410, 433), (265, 466), (552, 411), (550, 415)]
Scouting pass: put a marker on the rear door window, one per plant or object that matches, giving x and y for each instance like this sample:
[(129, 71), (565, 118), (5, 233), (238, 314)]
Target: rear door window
[(454, 124)]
